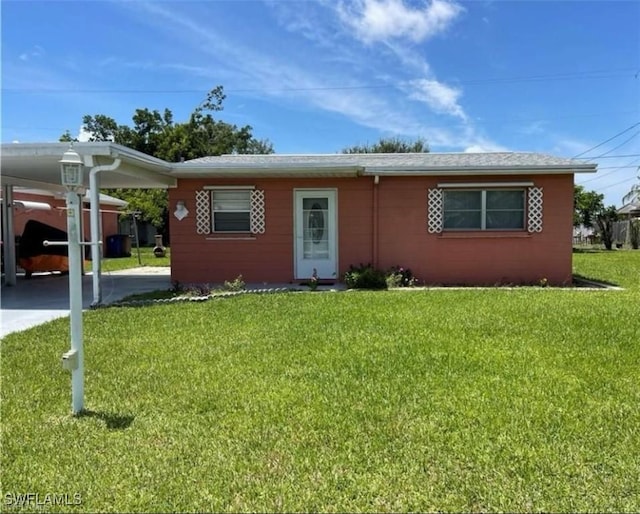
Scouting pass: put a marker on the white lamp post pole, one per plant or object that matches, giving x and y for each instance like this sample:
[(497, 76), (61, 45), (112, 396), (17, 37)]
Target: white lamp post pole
[(72, 167)]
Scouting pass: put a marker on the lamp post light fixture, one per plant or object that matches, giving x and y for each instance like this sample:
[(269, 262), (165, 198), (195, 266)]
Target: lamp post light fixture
[(72, 168)]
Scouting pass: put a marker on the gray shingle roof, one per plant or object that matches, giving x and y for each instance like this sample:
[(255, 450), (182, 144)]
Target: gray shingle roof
[(399, 161)]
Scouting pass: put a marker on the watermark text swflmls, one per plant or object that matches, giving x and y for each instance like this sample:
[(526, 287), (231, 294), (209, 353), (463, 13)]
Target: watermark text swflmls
[(42, 500)]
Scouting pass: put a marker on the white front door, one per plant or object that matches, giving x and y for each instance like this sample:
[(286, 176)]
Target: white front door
[(315, 233)]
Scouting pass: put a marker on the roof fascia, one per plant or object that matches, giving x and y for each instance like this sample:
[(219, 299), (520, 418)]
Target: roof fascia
[(456, 171), (180, 170)]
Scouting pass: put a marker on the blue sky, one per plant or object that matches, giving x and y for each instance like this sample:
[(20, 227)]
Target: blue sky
[(319, 76)]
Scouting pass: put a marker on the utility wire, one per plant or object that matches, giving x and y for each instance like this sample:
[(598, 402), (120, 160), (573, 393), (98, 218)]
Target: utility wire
[(619, 146), (605, 142), (483, 121), (609, 156), (556, 76), (614, 169), (616, 183)]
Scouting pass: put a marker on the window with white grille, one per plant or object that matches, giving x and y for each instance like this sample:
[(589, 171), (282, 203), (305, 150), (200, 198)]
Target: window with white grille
[(228, 210), (484, 209), (499, 208)]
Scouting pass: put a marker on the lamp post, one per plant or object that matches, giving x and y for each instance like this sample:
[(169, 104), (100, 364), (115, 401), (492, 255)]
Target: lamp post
[(72, 168)]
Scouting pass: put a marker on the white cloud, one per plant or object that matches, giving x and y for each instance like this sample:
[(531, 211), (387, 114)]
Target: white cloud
[(438, 96), (382, 20), (84, 135), (35, 52), (276, 75), (484, 147)]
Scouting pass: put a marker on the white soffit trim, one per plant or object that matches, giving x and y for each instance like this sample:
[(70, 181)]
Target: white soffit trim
[(425, 172), (484, 184), (233, 188), (288, 171)]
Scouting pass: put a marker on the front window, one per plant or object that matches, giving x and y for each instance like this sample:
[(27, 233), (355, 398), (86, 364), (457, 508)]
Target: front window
[(497, 209), (231, 210)]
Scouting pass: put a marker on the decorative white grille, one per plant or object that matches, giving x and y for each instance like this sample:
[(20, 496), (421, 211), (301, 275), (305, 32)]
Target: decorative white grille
[(257, 219), (435, 207), (203, 212), (534, 222)]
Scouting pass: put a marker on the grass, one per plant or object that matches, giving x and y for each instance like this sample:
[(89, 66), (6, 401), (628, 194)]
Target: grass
[(147, 258), (454, 400)]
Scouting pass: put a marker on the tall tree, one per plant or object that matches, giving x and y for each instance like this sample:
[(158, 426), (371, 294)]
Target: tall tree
[(156, 133), (605, 219), (586, 206), (390, 145)]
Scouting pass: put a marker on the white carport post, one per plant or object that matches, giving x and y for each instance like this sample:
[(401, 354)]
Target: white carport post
[(96, 237), (96, 227), (9, 242)]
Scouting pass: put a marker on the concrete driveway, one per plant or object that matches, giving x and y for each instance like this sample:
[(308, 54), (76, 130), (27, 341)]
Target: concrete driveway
[(45, 296)]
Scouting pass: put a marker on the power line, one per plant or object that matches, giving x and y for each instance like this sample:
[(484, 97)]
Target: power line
[(479, 120), (617, 167), (616, 183), (609, 156), (613, 169), (605, 142), (619, 146), (556, 76)]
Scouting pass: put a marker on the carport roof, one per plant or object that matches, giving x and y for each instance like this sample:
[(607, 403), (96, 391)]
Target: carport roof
[(38, 165)]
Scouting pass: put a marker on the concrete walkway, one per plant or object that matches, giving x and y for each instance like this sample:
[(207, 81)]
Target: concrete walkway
[(45, 296)]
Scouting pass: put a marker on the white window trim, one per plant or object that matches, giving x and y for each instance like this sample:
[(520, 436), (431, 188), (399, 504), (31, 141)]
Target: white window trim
[(483, 210), (229, 188), (213, 210), (483, 185)]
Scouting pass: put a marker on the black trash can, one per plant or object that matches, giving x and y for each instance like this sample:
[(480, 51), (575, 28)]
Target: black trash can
[(118, 245)]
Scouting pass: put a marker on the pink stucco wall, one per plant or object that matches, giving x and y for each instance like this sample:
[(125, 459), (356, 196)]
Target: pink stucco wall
[(393, 233)]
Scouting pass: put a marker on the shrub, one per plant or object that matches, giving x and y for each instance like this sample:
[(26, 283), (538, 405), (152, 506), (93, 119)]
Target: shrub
[(634, 233), (400, 277), (313, 281), (365, 277), (236, 285)]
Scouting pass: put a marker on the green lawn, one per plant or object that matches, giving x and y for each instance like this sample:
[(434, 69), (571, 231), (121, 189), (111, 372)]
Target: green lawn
[(445, 400), (147, 258)]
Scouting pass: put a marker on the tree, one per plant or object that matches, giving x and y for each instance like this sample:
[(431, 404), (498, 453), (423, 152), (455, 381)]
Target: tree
[(605, 219), (390, 145), (633, 196), (586, 205), (157, 134)]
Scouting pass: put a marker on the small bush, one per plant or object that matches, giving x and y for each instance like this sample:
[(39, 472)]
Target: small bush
[(365, 277), (400, 277), (634, 234), (236, 285)]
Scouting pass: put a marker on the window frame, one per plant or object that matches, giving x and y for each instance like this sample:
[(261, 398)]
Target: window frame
[(483, 209), (230, 189)]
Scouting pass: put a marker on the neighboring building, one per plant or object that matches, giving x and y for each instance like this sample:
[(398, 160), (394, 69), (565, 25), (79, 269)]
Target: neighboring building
[(622, 229), (490, 218), (629, 211)]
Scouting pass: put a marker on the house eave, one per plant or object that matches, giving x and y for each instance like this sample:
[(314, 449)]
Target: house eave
[(465, 171), (181, 171), (199, 171)]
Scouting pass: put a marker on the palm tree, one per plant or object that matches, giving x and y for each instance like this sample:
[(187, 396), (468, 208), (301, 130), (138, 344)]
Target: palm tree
[(633, 198)]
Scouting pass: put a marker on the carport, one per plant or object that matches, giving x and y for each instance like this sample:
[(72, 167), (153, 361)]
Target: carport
[(107, 165)]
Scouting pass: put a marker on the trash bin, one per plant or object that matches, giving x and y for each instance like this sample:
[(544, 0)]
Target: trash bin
[(118, 245)]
